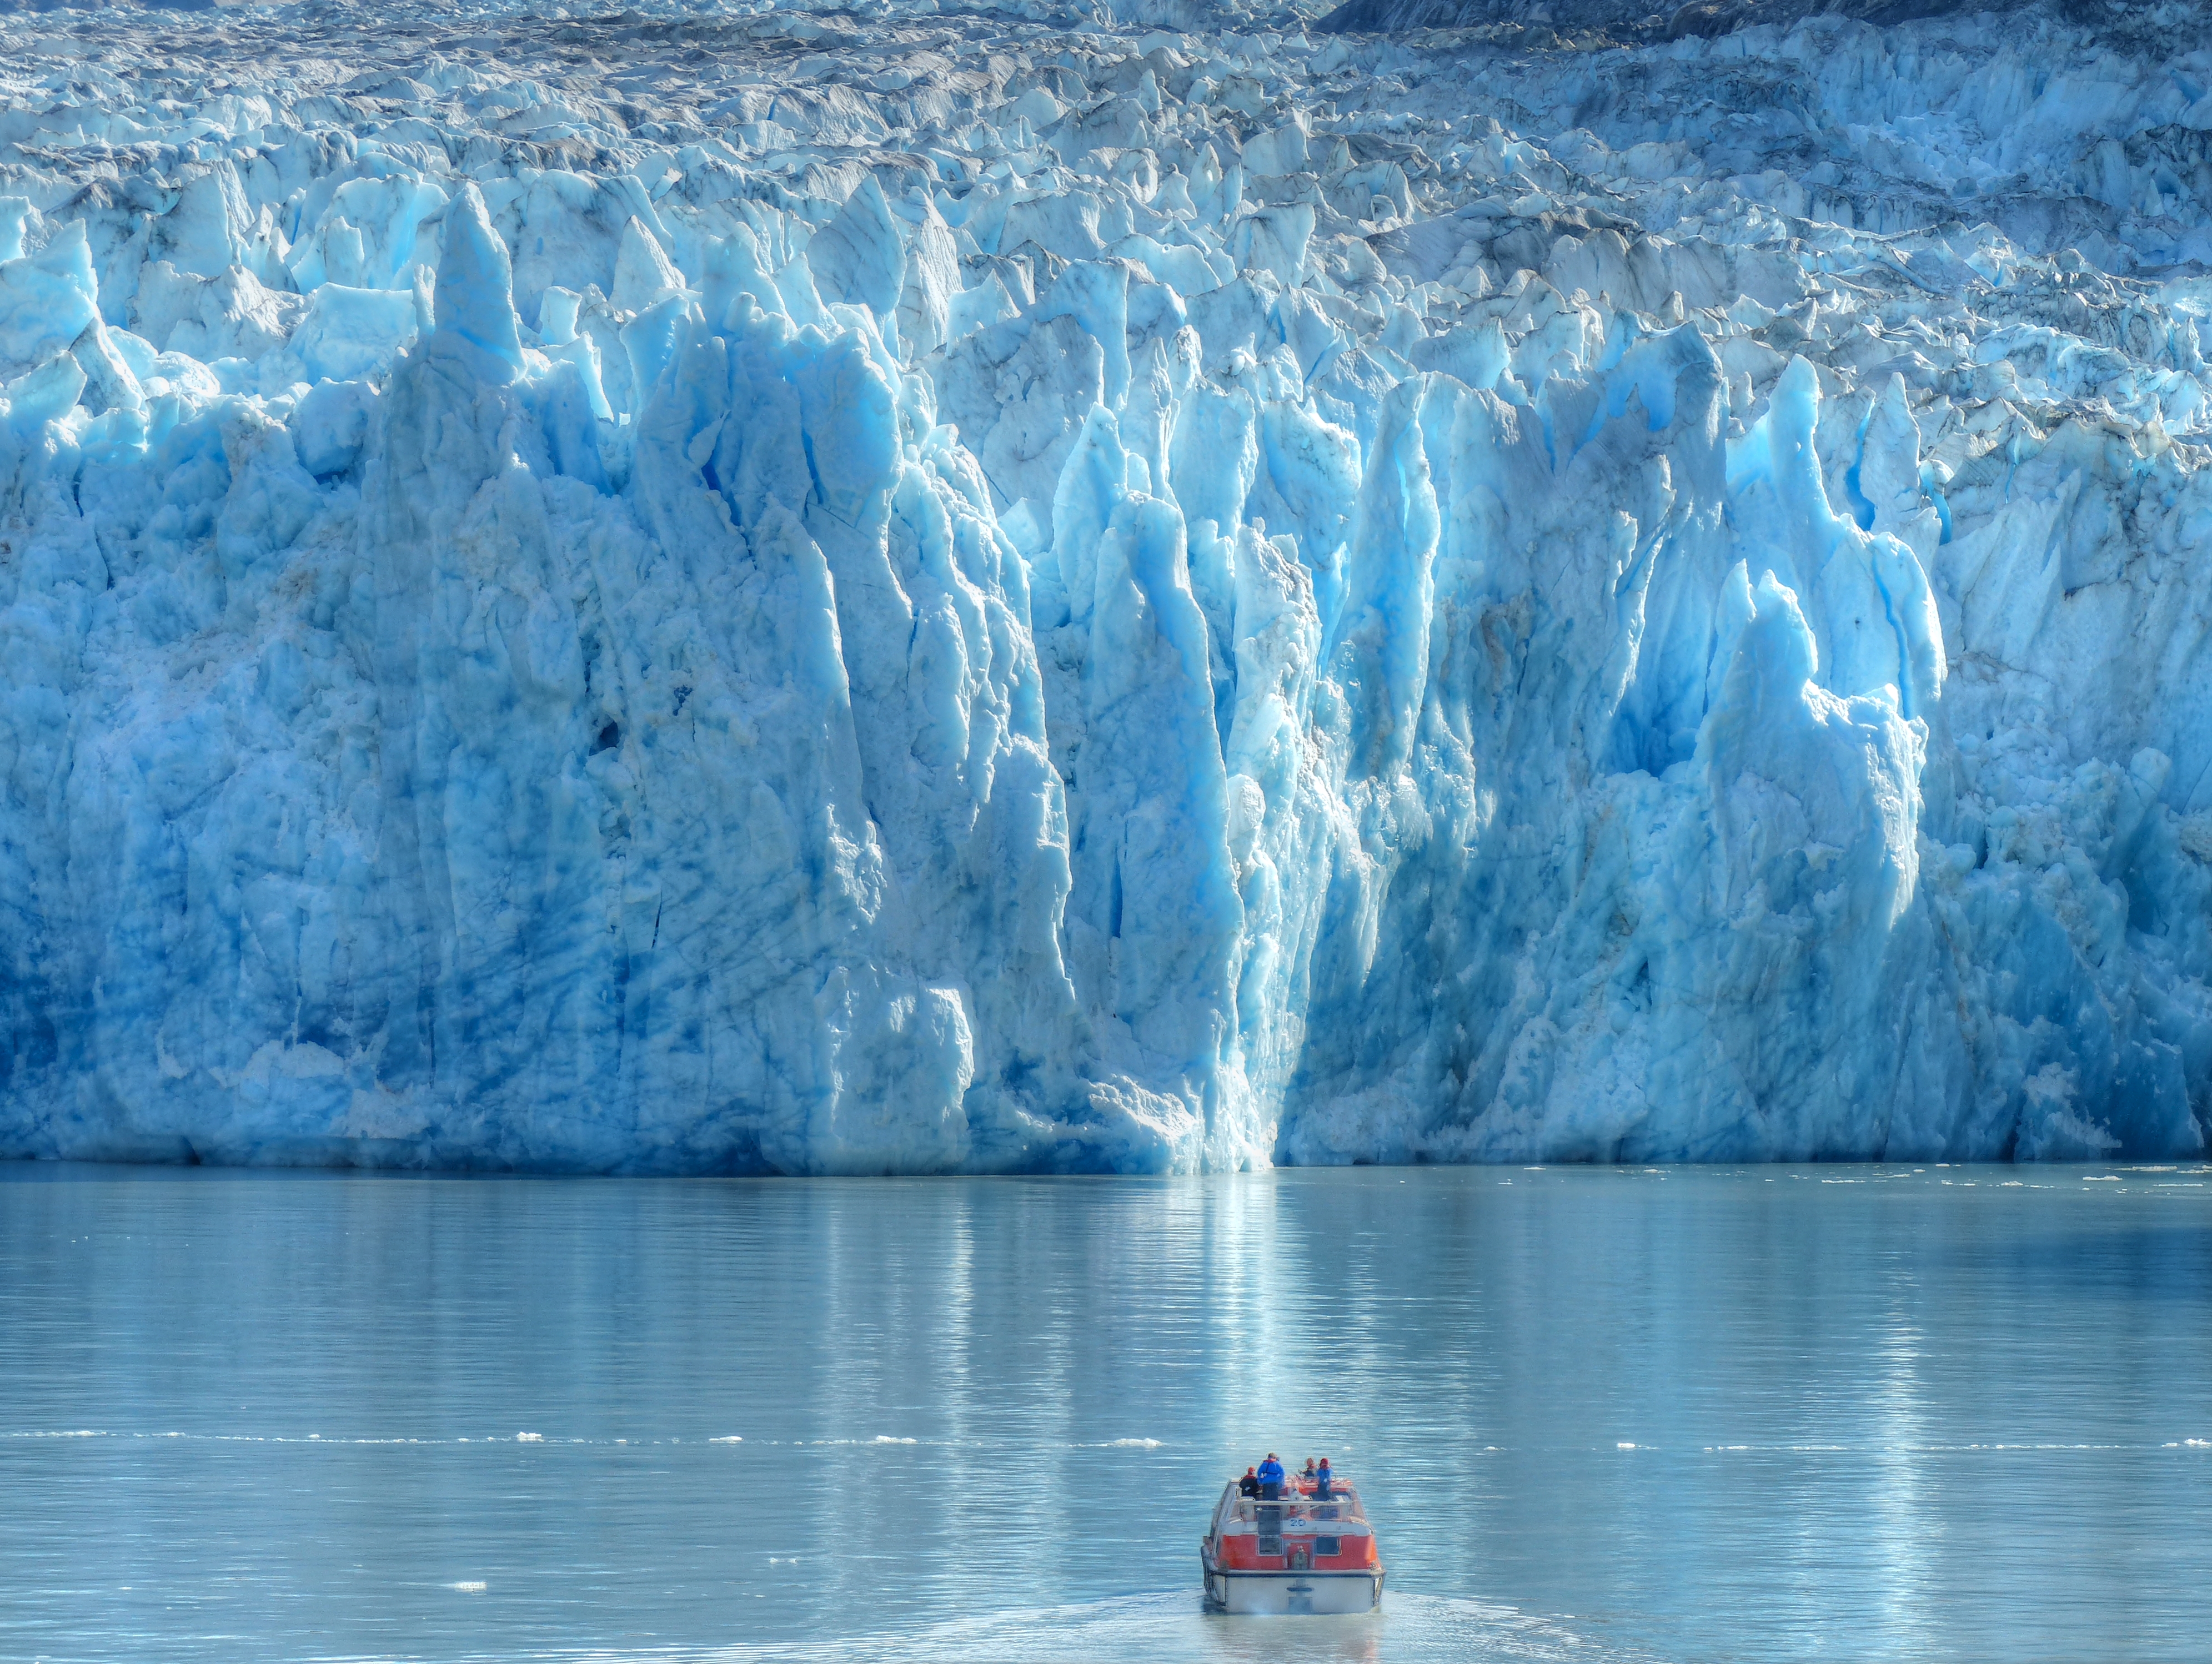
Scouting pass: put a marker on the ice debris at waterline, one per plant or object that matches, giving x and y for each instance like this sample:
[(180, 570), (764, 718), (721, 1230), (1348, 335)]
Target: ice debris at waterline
[(898, 592)]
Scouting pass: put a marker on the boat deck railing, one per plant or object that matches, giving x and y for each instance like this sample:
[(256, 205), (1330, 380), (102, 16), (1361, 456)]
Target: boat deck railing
[(1291, 1513)]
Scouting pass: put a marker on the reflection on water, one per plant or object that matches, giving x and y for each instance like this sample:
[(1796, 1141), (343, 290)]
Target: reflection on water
[(1750, 1414)]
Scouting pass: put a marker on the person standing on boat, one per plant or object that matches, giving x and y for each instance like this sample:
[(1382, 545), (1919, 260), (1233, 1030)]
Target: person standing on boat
[(1271, 1479), (1250, 1484), (1307, 1477), (1322, 1480)]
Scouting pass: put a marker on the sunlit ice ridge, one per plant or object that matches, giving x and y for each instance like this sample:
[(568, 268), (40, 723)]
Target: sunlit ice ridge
[(911, 589)]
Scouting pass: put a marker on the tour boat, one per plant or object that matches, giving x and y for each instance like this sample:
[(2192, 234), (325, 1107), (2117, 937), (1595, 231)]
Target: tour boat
[(1299, 1553)]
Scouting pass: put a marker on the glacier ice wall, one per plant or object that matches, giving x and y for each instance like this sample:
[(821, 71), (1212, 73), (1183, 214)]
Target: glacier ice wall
[(902, 591)]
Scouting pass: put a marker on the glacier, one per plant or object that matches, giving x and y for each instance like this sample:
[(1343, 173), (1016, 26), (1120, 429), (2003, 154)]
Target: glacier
[(735, 588)]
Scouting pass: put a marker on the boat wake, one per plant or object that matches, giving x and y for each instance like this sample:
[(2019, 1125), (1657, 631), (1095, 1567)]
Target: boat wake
[(1174, 1628)]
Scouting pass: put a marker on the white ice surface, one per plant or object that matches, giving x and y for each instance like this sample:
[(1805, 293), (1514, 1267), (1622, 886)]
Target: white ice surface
[(897, 592)]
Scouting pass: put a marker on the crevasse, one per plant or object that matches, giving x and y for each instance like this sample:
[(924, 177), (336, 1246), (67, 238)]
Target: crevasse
[(742, 592)]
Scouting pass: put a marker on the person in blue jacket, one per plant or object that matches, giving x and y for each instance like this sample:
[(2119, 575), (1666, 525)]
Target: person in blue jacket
[(1271, 1479), (1323, 1480)]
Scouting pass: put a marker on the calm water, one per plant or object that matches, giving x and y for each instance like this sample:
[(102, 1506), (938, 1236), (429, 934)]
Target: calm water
[(1706, 1414)]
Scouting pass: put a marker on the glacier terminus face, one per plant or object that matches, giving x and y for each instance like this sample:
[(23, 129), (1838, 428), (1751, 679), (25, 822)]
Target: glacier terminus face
[(731, 589)]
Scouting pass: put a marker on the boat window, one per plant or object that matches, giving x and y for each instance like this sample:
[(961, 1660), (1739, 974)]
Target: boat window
[(1328, 1545)]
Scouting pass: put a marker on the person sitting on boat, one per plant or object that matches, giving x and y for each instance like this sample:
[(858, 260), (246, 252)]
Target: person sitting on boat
[(1322, 1480), (1250, 1484), (1307, 1477), (1270, 1475)]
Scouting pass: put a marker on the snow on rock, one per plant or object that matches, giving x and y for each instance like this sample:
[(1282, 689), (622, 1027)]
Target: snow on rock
[(905, 591)]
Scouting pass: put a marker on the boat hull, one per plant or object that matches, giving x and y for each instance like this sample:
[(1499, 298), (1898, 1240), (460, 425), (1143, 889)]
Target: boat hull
[(1292, 1593)]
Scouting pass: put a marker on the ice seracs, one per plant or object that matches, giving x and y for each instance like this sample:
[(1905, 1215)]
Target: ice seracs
[(915, 592)]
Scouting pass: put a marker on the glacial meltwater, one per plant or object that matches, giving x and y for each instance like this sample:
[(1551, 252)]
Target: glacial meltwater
[(1713, 1413)]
